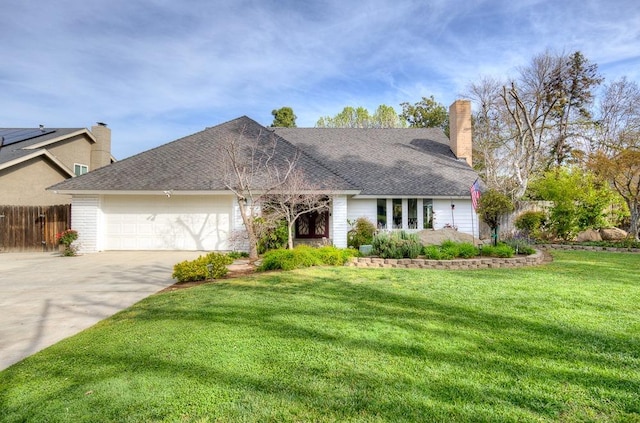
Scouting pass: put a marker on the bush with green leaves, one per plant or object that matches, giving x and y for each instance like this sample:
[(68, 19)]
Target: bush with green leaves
[(520, 246), (450, 250), (210, 266), (501, 250), (361, 233), (305, 256), (238, 254), (272, 238), (580, 201), (396, 245), (492, 206), (531, 223)]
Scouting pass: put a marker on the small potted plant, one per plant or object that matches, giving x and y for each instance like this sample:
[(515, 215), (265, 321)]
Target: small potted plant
[(65, 239)]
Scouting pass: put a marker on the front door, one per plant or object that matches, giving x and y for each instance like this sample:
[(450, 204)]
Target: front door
[(313, 225)]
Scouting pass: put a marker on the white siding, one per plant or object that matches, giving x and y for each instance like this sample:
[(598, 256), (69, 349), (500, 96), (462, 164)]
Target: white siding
[(463, 216), (362, 208), (339, 226), (239, 238), (86, 219)]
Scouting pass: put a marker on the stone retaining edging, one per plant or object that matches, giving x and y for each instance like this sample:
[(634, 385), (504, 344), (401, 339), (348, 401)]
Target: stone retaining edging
[(586, 248), (456, 264)]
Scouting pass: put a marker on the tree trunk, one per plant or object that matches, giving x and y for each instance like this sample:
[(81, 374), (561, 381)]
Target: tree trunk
[(251, 233), (290, 234), (634, 218)]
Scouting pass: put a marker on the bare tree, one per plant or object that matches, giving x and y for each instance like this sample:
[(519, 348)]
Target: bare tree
[(616, 155), (295, 197), (262, 174), (525, 124), (488, 131)]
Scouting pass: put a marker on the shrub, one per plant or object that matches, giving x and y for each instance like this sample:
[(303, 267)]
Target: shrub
[(531, 223), (449, 250), (238, 254), (305, 256), (467, 250), (432, 252), (282, 259), (333, 256), (273, 238), (67, 237), (212, 265), (501, 250), (519, 245), (396, 245), (361, 234)]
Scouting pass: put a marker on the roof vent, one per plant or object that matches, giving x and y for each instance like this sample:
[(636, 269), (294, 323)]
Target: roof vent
[(42, 127)]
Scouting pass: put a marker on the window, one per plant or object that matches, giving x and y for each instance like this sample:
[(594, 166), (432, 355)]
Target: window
[(412, 204), (397, 213), (427, 210), (80, 169), (382, 213)]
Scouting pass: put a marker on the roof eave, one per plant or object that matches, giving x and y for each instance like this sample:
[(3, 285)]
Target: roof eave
[(61, 138), (35, 154)]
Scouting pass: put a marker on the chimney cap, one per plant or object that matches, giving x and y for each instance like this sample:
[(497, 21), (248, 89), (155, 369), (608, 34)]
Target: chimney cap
[(101, 124)]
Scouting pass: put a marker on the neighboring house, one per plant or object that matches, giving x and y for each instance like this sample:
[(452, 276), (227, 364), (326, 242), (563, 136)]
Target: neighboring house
[(173, 197), (32, 159)]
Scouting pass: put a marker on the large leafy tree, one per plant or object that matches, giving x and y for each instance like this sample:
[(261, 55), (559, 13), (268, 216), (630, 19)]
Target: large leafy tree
[(427, 113), (284, 118), (569, 94), (359, 117)]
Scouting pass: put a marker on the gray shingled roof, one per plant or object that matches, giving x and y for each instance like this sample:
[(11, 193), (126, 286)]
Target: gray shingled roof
[(16, 151), (410, 161), (196, 163), (416, 162)]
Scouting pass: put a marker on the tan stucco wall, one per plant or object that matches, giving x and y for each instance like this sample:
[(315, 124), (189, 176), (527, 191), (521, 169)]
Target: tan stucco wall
[(25, 183), (74, 150)]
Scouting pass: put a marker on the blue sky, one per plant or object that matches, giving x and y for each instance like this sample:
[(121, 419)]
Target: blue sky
[(158, 70)]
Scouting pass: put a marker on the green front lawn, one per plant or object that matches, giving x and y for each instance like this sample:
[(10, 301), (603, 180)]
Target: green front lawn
[(559, 342)]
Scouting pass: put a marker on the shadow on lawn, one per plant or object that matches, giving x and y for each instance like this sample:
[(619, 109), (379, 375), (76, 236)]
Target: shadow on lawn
[(515, 356)]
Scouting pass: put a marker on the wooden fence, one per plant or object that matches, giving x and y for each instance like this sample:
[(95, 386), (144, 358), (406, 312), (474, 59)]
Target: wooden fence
[(32, 228)]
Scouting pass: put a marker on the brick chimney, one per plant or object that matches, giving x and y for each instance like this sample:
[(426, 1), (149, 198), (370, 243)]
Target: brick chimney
[(460, 130), (101, 150)]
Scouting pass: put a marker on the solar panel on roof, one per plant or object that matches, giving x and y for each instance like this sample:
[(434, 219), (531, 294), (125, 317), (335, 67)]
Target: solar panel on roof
[(12, 136)]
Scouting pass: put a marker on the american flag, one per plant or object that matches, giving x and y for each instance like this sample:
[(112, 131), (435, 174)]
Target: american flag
[(475, 194)]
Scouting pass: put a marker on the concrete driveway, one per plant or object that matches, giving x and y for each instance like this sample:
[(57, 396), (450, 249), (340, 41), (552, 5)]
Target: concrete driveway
[(46, 297)]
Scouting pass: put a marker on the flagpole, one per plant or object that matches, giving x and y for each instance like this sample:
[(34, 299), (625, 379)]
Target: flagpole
[(473, 191)]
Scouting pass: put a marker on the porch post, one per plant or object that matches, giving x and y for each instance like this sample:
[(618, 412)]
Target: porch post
[(405, 214), (339, 221), (420, 211)]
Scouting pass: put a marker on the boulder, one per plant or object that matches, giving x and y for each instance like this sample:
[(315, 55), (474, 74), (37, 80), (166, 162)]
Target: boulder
[(613, 234), (437, 237), (589, 235)]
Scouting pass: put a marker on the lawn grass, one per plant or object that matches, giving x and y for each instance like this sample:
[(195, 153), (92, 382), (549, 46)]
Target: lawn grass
[(559, 342)]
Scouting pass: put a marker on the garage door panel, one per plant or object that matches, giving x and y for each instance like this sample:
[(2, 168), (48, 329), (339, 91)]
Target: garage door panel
[(186, 223)]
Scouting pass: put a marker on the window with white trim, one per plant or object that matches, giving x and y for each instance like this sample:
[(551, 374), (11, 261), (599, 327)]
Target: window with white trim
[(80, 169)]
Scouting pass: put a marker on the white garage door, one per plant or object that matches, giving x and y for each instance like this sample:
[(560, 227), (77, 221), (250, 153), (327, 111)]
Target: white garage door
[(167, 223)]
